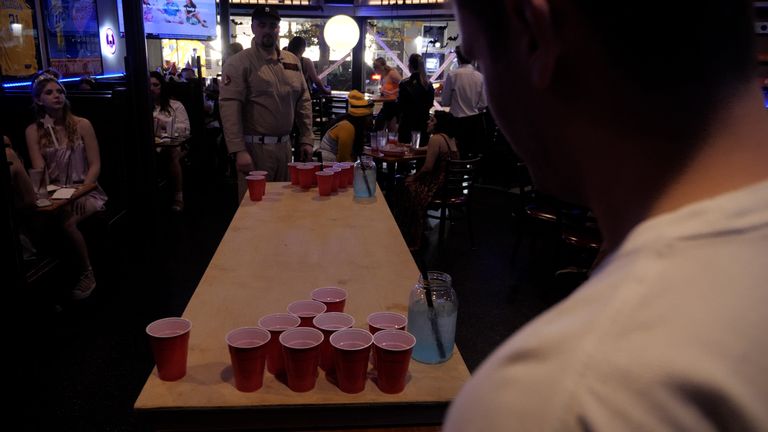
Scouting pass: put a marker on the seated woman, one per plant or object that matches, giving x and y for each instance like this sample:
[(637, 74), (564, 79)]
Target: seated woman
[(171, 120), (421, 187), (65, 145), (343, 142)]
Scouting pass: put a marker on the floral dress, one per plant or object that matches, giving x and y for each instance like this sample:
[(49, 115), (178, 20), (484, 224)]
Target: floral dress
[(419, 193)]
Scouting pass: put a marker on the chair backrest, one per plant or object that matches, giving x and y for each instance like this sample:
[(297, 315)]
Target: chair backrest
[(459, 178)]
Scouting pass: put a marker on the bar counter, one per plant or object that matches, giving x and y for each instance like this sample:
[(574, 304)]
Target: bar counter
[(274, 252)]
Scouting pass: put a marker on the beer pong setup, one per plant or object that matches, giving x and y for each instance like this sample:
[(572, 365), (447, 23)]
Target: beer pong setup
[(313, 334), (307, 318)]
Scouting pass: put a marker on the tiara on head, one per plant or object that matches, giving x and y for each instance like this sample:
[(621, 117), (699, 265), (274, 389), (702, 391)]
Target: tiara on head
[(45, 76)]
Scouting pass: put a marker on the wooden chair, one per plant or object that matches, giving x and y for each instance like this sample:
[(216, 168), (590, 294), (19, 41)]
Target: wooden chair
[(455, 195)]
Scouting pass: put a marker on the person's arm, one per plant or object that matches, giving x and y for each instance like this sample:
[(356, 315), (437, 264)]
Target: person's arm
[(482, 100), (303, 119), (312, 74), (345, 139), (433, 151), (86, 131), (447, 93), (21, 181), (232, 94), (33, 147)]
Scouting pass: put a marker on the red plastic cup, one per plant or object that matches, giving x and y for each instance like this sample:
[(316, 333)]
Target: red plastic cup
[(336, 178), (350, 172), (351, 349), (292, 167), (344, 174), (378, 321), (248, 352), (306, 310), (329, 164), (169, 339), (334, 298), (392, 351), (328, 323), (318, 167), (256, 187), (306, 175), (276, 324), (301, 352), (324, 182)]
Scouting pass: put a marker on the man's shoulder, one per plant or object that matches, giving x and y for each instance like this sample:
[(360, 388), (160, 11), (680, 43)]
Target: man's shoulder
[(287, 56)]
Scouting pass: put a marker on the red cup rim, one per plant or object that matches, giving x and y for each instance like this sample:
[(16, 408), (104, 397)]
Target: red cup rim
[(240, 329), (255, 177), (383, 333), (368, 319), (178, 319), (340, 291), (323, 173), (279, 315), (341, 333), (325, 315), (286, 334), (324, 307)]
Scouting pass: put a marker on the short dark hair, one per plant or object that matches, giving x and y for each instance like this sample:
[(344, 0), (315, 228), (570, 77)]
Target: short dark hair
[(444, 123), (461, 57), (296, 44)]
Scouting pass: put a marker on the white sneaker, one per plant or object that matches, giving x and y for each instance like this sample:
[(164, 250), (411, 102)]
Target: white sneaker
[(84, 286)]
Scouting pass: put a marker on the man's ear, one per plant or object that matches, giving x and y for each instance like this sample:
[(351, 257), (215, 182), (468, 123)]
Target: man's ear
[(543, 44)]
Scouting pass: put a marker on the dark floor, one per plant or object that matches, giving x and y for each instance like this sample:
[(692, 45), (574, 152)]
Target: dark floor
[(98, 362)]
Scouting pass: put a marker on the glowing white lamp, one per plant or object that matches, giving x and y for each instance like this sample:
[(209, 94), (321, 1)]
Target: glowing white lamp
[(341, 33)]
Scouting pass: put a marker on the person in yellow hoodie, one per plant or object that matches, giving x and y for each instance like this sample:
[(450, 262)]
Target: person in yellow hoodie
[(344, 140)]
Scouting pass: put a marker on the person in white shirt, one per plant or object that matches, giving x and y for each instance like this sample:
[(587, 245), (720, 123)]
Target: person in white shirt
[(464, 93), (659, 127)]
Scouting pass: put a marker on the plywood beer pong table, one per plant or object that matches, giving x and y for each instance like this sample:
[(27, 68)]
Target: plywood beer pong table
[(274, 252)]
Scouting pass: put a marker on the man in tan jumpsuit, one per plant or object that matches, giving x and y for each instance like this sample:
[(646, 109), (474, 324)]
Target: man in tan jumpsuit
[(262, 93)]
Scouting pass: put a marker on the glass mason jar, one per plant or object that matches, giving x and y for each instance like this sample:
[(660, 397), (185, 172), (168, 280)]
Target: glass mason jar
[(433, 325), (365, 177)]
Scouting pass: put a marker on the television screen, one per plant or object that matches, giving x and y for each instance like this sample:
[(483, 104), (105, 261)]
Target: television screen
[(176, 19)]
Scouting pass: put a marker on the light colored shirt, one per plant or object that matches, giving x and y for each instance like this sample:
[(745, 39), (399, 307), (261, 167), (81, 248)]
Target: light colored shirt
[(174, 123), (464, 92), (263, 96), (669, 334)]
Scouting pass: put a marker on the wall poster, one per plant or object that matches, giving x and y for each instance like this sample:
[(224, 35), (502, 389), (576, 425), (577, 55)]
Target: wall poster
[(73, 37)]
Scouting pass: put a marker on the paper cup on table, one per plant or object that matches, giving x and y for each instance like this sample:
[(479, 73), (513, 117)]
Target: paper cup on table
[(169, 339), (336, 177), (276, 324), (301, 352), (248, 352), (378, 321), (351, 349), (392, 351), (324, 183), (306, 175), (256, 187), (334, 298), (292, 168), (306, 310), (328, 323)]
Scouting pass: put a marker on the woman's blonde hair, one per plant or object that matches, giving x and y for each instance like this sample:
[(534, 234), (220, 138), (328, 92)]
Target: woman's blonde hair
[(70, 122)]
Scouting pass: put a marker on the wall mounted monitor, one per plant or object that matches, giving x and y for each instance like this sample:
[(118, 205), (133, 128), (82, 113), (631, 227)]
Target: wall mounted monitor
[(175, 19)]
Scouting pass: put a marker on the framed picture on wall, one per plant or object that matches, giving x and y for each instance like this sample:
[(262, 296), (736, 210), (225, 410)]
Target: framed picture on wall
[(72, 32)]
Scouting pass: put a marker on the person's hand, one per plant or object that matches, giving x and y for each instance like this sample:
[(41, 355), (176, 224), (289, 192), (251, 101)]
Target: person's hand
[(244, 162), (305, 152)]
